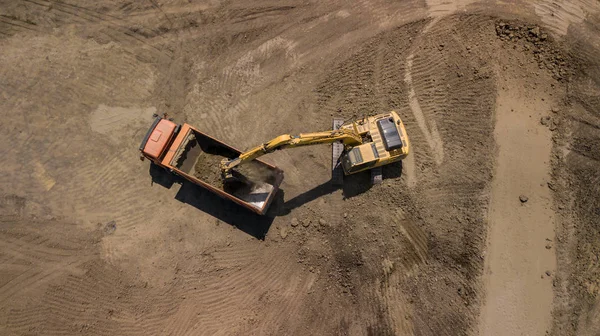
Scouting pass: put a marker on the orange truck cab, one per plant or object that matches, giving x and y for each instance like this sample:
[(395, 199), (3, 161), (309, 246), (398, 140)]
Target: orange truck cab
[(157, 138)]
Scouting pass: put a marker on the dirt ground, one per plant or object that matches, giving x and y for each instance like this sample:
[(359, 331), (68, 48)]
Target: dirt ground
[(490, 227)]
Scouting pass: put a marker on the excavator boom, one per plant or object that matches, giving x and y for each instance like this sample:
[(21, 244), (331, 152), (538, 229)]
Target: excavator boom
[(347, 137)]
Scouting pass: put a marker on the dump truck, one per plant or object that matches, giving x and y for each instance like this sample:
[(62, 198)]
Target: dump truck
[(358, 145), (187, 152)]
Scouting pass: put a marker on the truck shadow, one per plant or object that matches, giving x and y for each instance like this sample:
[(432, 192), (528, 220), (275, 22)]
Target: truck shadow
[(225, 210), (353, 185), (222, 209), (250, 222)]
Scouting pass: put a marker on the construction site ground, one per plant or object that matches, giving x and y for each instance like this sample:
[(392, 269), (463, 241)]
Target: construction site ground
[(491, 226)]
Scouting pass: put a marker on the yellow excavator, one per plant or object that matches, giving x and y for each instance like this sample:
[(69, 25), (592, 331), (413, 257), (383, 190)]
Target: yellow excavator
[(367, 143)]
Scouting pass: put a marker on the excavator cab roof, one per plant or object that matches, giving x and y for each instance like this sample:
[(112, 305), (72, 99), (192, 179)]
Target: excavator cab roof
[(389, 132)]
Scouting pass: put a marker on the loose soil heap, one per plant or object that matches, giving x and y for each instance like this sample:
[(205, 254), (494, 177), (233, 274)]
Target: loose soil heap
[(208, 169)]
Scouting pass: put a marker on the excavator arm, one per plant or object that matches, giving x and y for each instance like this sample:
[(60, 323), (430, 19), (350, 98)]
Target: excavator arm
[(347, 137)]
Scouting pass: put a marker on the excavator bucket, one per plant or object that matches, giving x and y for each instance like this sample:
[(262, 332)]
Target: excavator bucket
[(197, 157)]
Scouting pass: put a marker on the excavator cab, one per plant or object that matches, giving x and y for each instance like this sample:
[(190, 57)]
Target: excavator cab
[(387, 143)]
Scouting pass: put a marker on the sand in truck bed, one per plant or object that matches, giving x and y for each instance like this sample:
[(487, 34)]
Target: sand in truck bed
[(207, 169)]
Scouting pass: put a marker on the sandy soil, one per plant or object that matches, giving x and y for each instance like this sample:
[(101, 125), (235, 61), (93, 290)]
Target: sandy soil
[(521, 219), (500, 100)]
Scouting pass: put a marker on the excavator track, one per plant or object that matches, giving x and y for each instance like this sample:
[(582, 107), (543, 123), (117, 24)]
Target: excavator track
[(376, 175)]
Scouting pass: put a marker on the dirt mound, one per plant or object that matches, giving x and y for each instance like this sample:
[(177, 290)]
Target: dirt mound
[(208, 168), (548, 54)]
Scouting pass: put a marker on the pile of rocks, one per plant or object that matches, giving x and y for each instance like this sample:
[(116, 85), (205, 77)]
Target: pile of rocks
[(539, 43)]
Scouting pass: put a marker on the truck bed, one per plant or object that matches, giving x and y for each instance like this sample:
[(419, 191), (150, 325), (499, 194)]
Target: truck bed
[(197, 156)]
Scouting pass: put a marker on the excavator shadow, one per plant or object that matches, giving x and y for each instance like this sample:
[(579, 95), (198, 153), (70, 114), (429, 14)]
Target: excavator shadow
[(254, 224), (353, 185), (392, 171), (222, 209)]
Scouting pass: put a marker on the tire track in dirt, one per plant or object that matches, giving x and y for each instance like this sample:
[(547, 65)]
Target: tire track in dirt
[(558, 15), (112, 26), (69, 302), (210, 300), (222, 297), (25, 281), (38, 248), (240, 256), (460, 101), (284, 293), (386, 259), (85, 167), (182, 321), (23, 321), (440, 8), (13, 208), (399, 310), (34, 277), (80, 300), (519, 302), (454, 99), (415, 236), (36, 257), (575, 183), (427, 70), (290, 300), (427, 126), (437, 9), (10, 25), (114, 188), (398, 268), (431, 133), (167, 301), (225, 98), (218, 102), (47, 261)]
